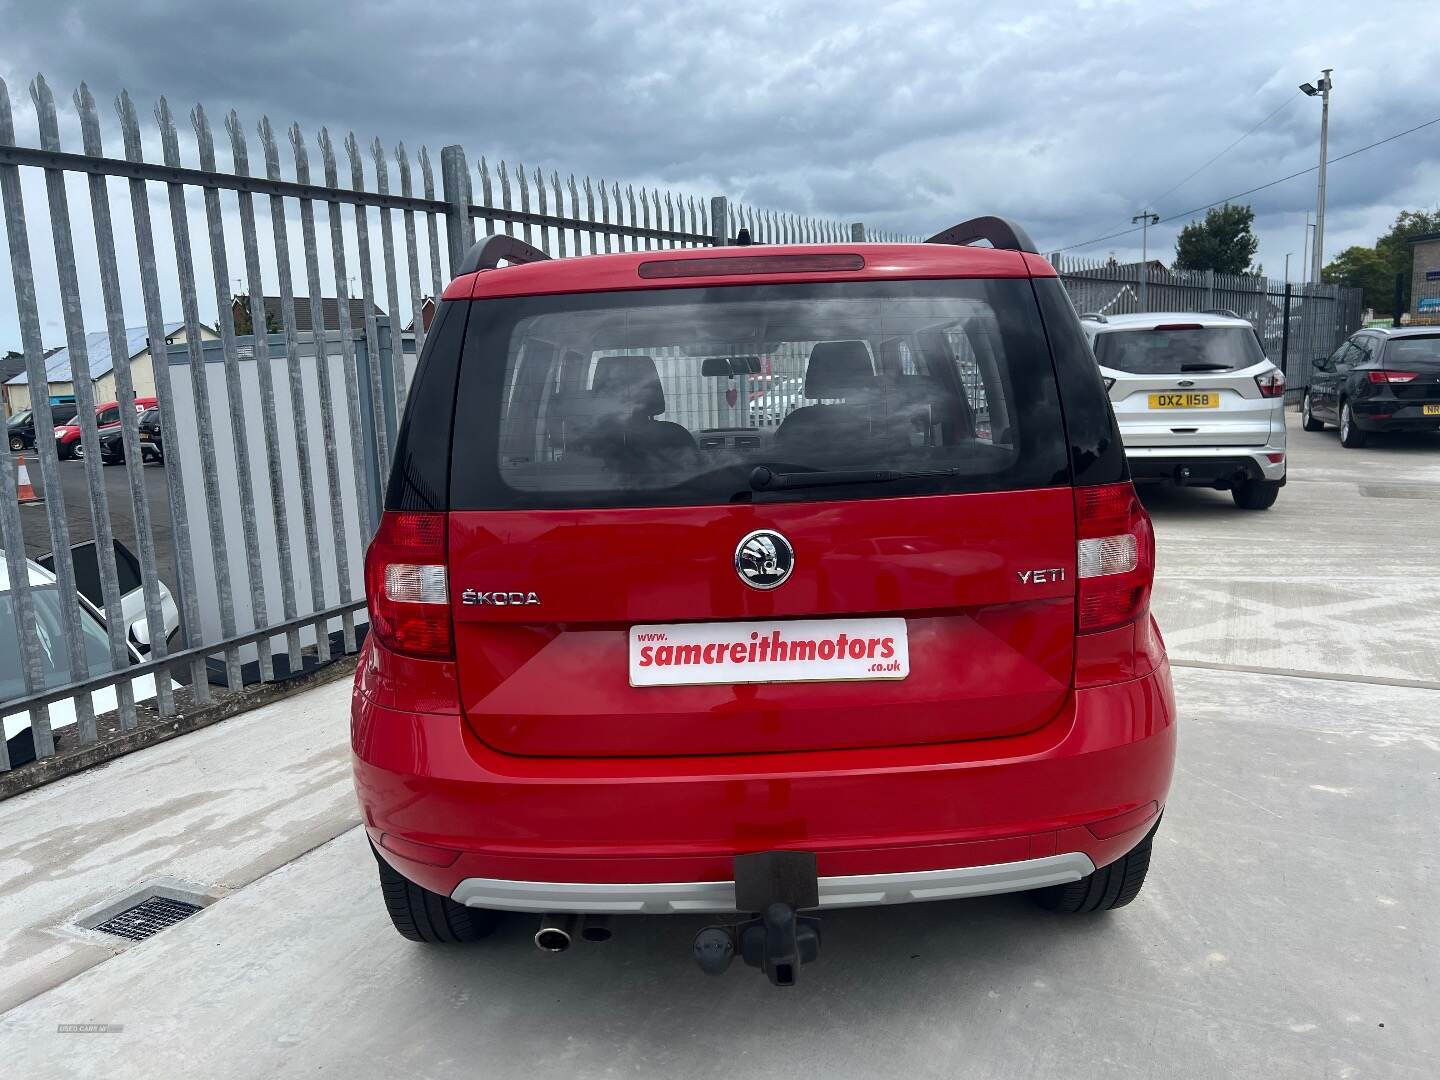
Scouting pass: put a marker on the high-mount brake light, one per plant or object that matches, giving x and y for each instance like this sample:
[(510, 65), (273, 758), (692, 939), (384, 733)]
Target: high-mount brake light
[(1381, 377), (407, 587), (1115, 556), (724, 265), (1271, 384), (1179, 326)]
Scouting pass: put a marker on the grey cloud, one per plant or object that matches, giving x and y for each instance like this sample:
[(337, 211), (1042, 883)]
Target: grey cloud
[(907, 116)]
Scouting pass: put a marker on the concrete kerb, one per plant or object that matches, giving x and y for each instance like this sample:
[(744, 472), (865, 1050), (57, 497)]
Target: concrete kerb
[(154, 729)]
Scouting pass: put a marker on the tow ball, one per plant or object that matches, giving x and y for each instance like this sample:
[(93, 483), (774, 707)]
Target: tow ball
[(777, 885)]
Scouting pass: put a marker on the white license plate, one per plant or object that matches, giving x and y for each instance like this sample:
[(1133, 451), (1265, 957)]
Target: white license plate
[(806, 650)]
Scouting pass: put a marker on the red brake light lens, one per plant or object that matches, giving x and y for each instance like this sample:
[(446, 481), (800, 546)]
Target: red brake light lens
[(407, 588), (719, 266), (1271, 384), (1391, 376), (1179, 326), (1115, 556)]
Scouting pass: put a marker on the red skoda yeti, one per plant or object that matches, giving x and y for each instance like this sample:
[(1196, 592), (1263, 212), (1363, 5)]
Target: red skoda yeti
[(758, 581)]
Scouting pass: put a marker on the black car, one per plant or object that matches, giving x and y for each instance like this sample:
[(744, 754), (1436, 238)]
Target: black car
[(20, 431), (112, 448), (1377, 380)]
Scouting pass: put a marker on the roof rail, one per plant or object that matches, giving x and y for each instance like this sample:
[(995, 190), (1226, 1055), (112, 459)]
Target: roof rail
[(1220, 311), (486, 254), (1001, 232), (1093, 316)]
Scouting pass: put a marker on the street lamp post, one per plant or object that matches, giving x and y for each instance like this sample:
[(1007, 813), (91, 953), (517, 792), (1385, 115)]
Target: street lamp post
[(1145, 219), (1322, 90)]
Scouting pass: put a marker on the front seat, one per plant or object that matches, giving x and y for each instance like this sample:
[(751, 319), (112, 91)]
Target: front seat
[(625, 398), (836, 370)]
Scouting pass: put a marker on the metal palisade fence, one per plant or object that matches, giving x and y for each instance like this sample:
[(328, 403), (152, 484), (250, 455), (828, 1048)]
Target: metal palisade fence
[(1296, 323), (278, 372)]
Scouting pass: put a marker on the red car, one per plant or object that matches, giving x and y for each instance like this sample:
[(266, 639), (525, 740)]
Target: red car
[(630, 653), (67, 435)]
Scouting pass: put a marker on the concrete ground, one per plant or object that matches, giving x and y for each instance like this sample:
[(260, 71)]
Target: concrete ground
[(1287, 928)]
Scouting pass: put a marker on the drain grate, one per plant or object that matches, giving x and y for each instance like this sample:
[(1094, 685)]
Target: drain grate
[(147, 918)]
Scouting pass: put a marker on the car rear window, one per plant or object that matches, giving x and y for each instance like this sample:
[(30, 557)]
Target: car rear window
[(674, 396), (1175, 352), (49, 631), (1421, 352)]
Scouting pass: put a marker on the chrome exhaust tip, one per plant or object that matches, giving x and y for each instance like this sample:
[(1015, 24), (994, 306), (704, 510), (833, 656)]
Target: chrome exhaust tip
[(556, 933)]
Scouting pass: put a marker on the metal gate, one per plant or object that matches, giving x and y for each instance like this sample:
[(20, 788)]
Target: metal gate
[(274, 442)]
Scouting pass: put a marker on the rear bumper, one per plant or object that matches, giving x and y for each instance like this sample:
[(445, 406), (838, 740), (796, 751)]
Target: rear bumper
[(1204, 466), (586, 834), (854, 890), (1393, 415)]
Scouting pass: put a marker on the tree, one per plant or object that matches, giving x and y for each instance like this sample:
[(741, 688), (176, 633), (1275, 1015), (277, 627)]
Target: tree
[(1375, 269), (1224, 242), (1365, 269)]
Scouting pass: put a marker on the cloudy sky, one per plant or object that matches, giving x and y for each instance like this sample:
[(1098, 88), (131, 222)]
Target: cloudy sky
[(1069, 117)]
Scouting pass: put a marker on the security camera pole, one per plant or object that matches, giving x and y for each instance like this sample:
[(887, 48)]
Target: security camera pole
[(1145, 219), (1322, 90)]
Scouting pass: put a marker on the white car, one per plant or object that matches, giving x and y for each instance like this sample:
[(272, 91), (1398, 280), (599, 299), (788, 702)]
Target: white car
[(132, 593), (49, 629), (1197, 401)]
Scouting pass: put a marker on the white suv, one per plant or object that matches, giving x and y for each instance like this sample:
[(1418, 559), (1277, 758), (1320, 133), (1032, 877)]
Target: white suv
[(1198, 402)]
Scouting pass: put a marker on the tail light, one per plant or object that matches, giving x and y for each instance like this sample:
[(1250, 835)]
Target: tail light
[(1271, 384), (1391, 376), (1115, 558), (407, 588)]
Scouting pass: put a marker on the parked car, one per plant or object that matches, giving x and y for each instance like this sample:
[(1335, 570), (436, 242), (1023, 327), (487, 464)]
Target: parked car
[(132, 593), (112, 442), (107, 416), (49, 629), (879, 654), (1198, 402), (21, 428), (1381, 379)]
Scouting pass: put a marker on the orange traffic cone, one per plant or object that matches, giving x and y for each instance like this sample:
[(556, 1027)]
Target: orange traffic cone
[(25, 489)]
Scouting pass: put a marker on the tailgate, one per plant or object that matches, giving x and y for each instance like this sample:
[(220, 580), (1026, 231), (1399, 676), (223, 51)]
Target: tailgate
[(989, 654), (1222, 409)]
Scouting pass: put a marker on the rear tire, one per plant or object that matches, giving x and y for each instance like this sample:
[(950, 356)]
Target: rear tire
[(1308, 420), (17, 443), (1256, 494), (1351, 437), (421, 915), (1108, 888)]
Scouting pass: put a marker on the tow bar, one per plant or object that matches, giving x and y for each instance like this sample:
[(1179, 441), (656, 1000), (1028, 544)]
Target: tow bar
[(776, 885)]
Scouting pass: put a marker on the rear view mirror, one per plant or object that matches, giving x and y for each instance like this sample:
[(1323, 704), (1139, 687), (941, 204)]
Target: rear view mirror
[(718, 366)]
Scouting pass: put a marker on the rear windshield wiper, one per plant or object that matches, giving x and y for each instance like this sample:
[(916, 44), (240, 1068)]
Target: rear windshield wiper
[(762, 478), (1205, 367)]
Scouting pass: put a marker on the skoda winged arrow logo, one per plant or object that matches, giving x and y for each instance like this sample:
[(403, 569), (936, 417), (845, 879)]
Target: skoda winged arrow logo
[(764, 559)]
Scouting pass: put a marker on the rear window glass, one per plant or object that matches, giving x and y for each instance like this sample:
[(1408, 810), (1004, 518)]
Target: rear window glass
[(49, 632), (1421, 352), (674, 396), (1173, 352)]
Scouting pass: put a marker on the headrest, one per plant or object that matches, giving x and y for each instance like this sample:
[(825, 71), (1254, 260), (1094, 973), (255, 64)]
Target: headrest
[(837, 369), (632, 380), (892, 361)]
